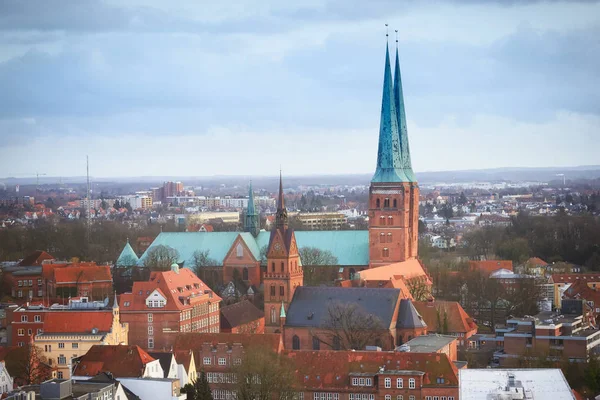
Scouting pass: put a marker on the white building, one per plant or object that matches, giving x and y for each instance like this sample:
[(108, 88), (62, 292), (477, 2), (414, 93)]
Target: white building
[(513, 384), (6, 381)]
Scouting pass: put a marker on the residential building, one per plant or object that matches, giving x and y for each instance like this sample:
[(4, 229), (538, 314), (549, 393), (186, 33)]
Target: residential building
[(38, 257), (448, 318), (309, 318), (242, 317), (167, 362), (121, 361), (168, 303), (172, 189), (566, 333), (67, 389), (513, 384), (6, 381), (487, 267), (322, 220), (186, 367), (67, 334), (358, 375), (25, 283)]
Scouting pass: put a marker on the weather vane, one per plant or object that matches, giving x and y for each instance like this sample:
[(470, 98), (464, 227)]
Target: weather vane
[(396, 36), (387, 31)]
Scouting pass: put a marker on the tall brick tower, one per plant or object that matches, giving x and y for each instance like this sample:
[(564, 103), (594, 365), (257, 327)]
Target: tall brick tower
[(284, 271), (394, 192)]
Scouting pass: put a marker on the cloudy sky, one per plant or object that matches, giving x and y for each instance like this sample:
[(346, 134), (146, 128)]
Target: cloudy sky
[(240, 87)]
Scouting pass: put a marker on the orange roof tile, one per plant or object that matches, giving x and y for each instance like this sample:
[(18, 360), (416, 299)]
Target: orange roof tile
[(490, 266), (536, 261), (458, 319), (570, 278), (121, 361), (408, 269), (81, 274), (173, 286), (194, 341), (78, 321), (331, 369)]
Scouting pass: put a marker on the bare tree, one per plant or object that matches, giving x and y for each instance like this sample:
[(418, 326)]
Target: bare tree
[(317, 265), (348, 326), (419, 289), (27, 365), (202, 267), (263, 375), (160, 258)]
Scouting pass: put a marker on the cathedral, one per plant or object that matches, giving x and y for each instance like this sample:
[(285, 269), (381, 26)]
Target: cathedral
[(389, 245)]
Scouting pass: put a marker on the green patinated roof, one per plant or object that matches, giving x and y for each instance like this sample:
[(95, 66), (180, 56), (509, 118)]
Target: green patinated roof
[(401, 118), (127, 258), (350, 247)]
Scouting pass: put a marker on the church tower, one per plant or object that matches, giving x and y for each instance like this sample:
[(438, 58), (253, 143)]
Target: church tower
[(284, 270), (394, 192), (251, 220)]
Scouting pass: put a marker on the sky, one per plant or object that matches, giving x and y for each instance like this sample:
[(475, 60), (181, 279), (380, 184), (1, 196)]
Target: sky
[(242, 87)]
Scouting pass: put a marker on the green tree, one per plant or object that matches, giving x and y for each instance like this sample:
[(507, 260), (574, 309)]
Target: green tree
[(198, 389)]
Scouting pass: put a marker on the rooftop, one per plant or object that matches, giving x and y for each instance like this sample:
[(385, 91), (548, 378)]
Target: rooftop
[(429, 343), (121, 361)]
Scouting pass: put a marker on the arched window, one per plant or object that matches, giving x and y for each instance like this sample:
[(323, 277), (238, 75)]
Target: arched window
[(385, 252), (395, 203), (390, 220), (382, 220), (382, 237), (273, 267), (377, 203), (282, 267), (281, 291), (386, 203), (239, 250), (273, 315), (316, 343), (272, 290), (245, 274), (389, 238), (337, 345), (295, 343)]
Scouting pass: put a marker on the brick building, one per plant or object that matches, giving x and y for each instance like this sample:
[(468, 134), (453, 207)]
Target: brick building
[(78, 279), (168, 303), (242, 317), (448, 318)]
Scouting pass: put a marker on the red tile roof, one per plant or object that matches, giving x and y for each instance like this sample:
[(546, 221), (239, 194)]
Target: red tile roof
[(194, 341), (536, 262), (238, 314), (82, 274), (580, 290), (173, 286), (78, 321), (408, 269), (121, 361), (458, 319), (49, 268), (331, 369), (570, 278), (185, 358), (35, 258), (490, 266)]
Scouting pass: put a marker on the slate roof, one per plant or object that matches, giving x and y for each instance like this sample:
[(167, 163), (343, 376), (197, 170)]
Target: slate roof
[(350, 247), (164, 359), (310, 304), (408, 316), (239, 314), (127, 258)]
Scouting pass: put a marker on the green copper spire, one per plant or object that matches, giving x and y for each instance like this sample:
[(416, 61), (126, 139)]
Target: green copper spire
[(389, 159), (251, 222), (401, 118), (127, 258), (282, 311)]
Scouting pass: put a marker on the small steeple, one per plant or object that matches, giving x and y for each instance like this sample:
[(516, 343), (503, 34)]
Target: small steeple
[(281, 217), (127, 258), (282, 312), (251, 221), (401, 118), (389, 160), (115, 303)]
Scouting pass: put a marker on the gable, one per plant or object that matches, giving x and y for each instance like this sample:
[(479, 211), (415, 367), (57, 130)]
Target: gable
[(156, 299), (240, 250), (277, 248)]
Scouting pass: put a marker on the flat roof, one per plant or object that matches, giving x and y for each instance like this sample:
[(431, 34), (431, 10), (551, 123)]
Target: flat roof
[(429, 343), (484, 384)]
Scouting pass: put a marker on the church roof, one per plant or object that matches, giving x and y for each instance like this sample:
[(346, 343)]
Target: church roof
[(409, 317), (401, 119), (127, 258), (350, 247), (309, 306), (251, 206)]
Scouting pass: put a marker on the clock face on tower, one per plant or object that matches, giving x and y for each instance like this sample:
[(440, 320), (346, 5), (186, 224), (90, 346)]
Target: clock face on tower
[(277, 246)]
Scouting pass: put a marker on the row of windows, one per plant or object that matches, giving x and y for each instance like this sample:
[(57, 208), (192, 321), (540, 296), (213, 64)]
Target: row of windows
[(20, 293), (21, 332), (386, 203), (221, 377), (29, 282), (222, 361), (400, 383), (36, 318), (361, 396), (156, 303), (281, 290), (362, 381), (439, 398), (389, 219), (220, 394), (399, 397), (293, 265), (383, 238), (326, 396)]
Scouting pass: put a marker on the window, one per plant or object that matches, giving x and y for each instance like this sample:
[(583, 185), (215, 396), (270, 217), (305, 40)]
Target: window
[(222, 361), (389, 238), (337, 345), (237, 361), (368, 381), (150, 343), (21, 344), (382, 237), (239, 250), (382, 220), (150, 318), (399, 383), (386, 203), (388, 397), (282, 266), (59, 375), (411, 397), (295, 343), (273, 290), (395, 203), (354, 381), (388, 383), (74, 345), (440, 380), (272, 267), (20, 283), (62, 360), (385, 252), (150, 330), (399, 397), (29, 332), (39, 282), (20, 293), (23, 318), (61, 345), (206, 361), (21, 332), (316, 343), (411, 383), (377, 203), (30, 282), (273, 313), (361, 381), (390, 220), (281, 290), (40, 293)]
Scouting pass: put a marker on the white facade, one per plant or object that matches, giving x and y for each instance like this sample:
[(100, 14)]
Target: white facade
[(6, 381), (152, 370), (513, 384), (153, 389)]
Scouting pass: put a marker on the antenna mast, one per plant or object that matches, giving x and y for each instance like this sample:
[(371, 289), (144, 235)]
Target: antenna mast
[(88, 198)]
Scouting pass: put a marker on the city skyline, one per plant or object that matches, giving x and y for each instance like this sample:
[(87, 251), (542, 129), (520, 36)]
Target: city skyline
[(147, 89)]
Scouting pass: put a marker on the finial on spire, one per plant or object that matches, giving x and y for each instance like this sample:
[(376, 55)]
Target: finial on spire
[(396, 30), (387, 31)]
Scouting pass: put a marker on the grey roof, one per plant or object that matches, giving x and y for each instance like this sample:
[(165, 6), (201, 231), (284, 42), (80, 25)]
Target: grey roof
[(429, 343), (408, 316), (310, 304), (19, 271)]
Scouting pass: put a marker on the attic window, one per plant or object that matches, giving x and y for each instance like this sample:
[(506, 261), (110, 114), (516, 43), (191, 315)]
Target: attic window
[(126, 304)]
